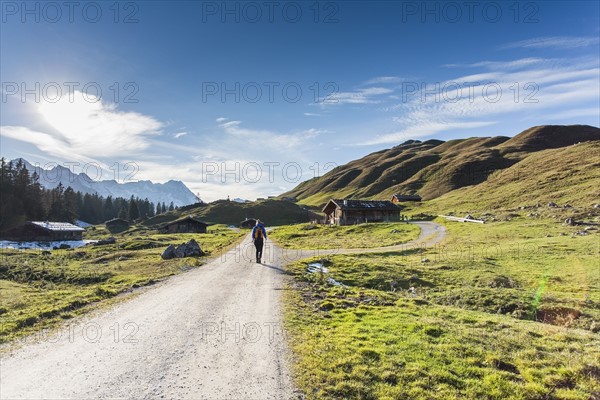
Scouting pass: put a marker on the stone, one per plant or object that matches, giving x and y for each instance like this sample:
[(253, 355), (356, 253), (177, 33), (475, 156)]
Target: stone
[(168, 253), (552, 204), (189, 249)]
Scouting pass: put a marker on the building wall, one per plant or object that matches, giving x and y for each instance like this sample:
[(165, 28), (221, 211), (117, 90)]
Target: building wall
[(186, 227)]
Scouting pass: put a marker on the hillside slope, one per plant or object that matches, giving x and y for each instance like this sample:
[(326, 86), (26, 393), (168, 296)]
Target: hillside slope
[(567, 175), (272, 212), (434, 168)]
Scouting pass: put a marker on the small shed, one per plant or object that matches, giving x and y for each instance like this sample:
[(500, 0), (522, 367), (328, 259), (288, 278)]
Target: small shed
[(185, 225), (248, 223), (350, 212), (40, 231), (397, 198), (117, 225)]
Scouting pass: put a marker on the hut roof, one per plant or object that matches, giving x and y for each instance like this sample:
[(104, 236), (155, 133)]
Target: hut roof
[(117, 221), (184, 219), (351, 204), (57, 226), (407, 197)]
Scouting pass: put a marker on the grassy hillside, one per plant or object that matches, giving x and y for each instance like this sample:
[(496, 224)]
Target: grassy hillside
[(271, 211), (434, 168), (566, 176)]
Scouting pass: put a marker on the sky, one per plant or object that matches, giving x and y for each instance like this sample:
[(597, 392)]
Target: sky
[(248, 99)]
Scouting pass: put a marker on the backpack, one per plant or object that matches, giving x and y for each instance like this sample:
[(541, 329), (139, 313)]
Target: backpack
[(258, 233)]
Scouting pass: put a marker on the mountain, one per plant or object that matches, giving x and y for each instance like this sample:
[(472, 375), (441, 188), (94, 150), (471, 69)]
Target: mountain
[(171, 191), (433, 168)]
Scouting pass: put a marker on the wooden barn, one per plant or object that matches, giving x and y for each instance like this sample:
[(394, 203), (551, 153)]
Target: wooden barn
[(398, 198), (248, 223), (350, 212), (38, 231), (185, 225), (117, 225)]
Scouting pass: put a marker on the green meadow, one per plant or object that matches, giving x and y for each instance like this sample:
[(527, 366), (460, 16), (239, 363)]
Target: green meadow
[(361, 236), (504, 310)]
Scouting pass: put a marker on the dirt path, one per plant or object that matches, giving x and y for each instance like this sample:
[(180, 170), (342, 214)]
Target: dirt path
[(212, 333)]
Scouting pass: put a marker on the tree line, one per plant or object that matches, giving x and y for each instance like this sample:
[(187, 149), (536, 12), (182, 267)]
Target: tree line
[(23, 198)]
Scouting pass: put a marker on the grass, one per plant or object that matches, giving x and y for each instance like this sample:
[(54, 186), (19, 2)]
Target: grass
[(39, 289), (368, 235), (505, 310)]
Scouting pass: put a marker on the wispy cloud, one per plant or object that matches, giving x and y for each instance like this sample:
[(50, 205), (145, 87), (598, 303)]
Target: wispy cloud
[(368, 95), (179, 134), (513, 64), (539, 92), (556, 42), (382, 80)]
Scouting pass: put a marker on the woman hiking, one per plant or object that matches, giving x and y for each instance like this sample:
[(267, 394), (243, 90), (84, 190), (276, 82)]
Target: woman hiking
[(259, 234)]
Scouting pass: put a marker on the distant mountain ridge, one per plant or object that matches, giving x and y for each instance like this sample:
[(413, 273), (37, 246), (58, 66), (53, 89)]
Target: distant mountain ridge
[(171, 191), (434, 167)]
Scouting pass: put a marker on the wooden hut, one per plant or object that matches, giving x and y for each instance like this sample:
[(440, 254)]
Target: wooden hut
[(398, 198), (39, 231), (248, 223), (350, 212), (185, 225)]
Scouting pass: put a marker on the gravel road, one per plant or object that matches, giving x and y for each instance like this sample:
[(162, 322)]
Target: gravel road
[(211, 333)]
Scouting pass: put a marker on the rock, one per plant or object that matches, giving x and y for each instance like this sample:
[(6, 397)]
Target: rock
[(552, 204), (590, 228), (168, 253), (567, 206), (597, 205), (46, 253), (425, 260), (469, 216), (189, 249), (395, 231), (64, 246), (110, 240)]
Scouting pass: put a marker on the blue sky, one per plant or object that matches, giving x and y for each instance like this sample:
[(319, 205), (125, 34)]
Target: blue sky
[(248, 98)]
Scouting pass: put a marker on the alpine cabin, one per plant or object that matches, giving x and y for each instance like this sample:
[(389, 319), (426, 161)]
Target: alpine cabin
[(350, 212)]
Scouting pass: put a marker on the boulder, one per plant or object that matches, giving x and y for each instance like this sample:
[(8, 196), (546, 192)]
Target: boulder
[(552, 204), (189, 249), (168, 253)]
